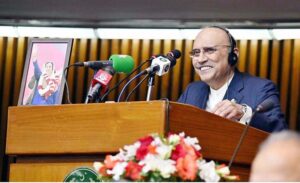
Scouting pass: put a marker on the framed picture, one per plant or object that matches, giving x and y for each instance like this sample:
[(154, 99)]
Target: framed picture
[(43, 82)]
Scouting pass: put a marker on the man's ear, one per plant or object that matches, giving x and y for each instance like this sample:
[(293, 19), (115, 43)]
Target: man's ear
[(236, 51)]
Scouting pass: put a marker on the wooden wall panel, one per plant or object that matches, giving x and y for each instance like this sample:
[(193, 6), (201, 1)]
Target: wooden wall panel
[(175, 71), (80, 90), (8, 73), (253, 57), (263, 63), (7, 95), (2, 108), (157, 46), (275, 61), (3, 47), (242, 55), (92, 56), (271, 59), (285, 72), (145, 55), (104, 51), (71, 72), (165, 90), (114, 49), (135, 53), (295, 86), (125, 50), (21, 51), (187, 64)]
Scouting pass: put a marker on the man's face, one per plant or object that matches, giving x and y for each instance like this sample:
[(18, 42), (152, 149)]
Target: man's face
[(211, 64), (49, 68)]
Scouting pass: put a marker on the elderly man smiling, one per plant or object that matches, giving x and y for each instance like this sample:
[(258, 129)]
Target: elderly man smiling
[(225, 91)]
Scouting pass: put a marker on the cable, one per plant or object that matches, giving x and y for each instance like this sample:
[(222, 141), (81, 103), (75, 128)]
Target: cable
[(116, 85), (123, 89), (128, 96), (67, 86)]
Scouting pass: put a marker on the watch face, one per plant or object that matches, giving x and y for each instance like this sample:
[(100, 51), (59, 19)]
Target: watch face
[(244, 108)]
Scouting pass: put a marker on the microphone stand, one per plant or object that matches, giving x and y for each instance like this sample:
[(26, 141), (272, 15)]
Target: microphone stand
[(91, 97), (150, 85), (237, 148), (87, 96), (87, 99), (264, 106)]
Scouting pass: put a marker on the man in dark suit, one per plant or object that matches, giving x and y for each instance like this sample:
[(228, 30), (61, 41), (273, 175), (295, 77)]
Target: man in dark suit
[(225, 91)]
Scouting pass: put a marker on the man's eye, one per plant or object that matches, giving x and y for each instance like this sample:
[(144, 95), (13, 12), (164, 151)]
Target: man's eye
[(196, 51), (209, 50)]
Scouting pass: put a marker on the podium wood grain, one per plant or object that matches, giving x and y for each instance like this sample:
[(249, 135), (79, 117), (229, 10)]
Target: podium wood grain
[(43, 172), (78, 128), (44, 136), (217, 136)]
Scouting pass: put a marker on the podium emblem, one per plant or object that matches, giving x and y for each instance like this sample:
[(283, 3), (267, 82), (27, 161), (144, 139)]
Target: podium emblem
[(82, 174)]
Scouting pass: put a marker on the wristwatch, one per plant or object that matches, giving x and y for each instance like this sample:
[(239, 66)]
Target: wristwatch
[(244, 108)]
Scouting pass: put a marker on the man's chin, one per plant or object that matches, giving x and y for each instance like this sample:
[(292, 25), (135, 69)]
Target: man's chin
[(206, 80), (206, 77)]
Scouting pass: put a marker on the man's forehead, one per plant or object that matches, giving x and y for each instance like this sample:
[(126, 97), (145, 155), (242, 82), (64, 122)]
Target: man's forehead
[(213, 30), (211, 36)]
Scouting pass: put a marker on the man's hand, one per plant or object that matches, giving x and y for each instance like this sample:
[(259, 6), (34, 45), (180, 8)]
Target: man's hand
[(229, 109)]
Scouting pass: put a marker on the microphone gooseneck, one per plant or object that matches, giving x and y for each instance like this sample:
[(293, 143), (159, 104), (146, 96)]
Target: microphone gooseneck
[(262, 107), (176, 54)]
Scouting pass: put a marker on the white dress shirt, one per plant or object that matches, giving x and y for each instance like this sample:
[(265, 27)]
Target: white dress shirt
[(216, 96)]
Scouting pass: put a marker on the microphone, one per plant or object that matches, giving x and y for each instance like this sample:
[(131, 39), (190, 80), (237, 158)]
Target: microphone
[(173, 55), (100, 80), (120, 63), (157, 65), (161, 65), (266, 105)]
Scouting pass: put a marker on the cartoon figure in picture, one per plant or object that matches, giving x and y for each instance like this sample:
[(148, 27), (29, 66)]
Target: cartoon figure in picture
[(44, 84)]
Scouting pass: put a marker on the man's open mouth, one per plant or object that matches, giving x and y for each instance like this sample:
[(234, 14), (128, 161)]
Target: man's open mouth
[(204, 68)]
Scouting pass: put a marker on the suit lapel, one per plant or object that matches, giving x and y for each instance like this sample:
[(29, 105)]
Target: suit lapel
[(204, 97), (235, 87)]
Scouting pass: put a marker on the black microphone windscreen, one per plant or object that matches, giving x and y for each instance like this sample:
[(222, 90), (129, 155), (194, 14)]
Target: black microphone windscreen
[(173, 55), (176, 53), (265, 105)]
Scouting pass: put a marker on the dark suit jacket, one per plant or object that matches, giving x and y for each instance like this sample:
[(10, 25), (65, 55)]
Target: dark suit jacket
[(245, 89)]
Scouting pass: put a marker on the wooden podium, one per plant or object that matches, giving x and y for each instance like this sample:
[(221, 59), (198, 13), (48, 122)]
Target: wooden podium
[(44, 143)]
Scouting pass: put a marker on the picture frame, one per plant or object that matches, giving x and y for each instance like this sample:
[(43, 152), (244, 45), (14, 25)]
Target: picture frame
[(43, 81)]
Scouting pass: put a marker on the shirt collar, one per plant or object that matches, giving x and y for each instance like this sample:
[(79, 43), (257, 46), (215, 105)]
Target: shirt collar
[(223, 88)]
